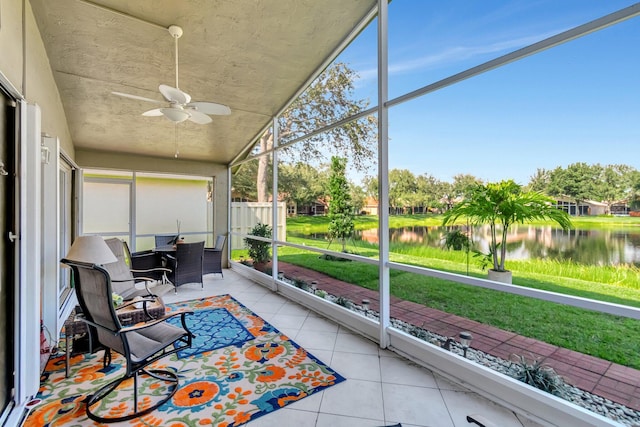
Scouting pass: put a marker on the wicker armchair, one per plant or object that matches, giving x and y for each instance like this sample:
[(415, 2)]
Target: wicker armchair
[(186, 264), (141, 344), (213, 257)]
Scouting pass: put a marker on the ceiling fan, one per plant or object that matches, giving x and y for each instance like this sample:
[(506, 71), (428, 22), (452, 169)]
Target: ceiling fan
[(180, 107)]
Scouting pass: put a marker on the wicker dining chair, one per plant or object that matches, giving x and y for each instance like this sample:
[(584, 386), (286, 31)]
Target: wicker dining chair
[(186, 264), (213, 257)]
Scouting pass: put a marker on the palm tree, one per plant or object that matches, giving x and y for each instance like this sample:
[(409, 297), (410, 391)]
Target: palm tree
[(500, 205)]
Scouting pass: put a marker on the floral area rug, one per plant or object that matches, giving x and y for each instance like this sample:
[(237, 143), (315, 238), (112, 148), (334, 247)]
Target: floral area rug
[(238, 369)]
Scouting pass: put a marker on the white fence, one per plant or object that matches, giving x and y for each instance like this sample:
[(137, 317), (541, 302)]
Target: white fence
[(244, 215)]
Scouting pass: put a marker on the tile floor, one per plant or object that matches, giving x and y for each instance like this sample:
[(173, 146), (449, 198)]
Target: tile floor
[(382, 389)]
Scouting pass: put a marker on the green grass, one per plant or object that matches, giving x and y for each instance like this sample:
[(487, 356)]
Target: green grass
[(597, 334)]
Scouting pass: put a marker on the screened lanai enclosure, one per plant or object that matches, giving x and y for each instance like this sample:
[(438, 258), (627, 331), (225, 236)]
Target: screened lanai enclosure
[(344, 115)]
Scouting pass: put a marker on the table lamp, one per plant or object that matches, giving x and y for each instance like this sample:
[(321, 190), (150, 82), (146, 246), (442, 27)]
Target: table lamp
[(90, 249)]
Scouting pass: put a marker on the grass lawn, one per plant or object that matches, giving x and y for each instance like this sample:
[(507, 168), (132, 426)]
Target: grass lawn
[(601, 335)]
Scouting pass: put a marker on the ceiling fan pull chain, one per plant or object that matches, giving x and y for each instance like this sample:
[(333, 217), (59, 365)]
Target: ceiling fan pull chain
[(176, 136)]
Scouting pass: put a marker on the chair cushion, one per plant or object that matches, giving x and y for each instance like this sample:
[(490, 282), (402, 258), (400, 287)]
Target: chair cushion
[(147, 342)]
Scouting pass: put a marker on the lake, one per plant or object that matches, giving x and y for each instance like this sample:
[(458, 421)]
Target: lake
[(590, 247)]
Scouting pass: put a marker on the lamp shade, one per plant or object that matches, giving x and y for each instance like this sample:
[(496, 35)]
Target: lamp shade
[(90, 249)]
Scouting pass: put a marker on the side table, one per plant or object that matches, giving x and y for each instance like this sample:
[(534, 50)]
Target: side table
[(128, 316)]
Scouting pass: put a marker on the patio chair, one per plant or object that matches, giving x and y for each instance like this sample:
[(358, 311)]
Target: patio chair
[(125, 283), (186, 264), (213, 257), (163, 240), (141, 344), (146, 264)]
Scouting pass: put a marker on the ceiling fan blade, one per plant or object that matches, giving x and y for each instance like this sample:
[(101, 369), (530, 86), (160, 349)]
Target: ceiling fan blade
[(210, 108), (153, 113), (139, 98), (198, 117), (173, 94)]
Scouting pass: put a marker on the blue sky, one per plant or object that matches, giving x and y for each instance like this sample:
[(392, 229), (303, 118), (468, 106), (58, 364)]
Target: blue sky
[(579, 102)]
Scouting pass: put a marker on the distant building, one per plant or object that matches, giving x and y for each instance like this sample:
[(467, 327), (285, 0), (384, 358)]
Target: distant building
[(584, 208)]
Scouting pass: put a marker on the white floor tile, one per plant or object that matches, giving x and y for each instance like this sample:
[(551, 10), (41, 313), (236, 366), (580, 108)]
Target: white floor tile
[(351, 343), (286, 417), (461, 404), (286, 321), (293, 309), (357, 366), (330, 420), (354, 398), (314, 340), (313, 323), (419, 406), (399, 371)]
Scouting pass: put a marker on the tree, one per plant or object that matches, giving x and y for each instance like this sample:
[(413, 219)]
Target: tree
[(340, 206), (302, 184), (402, 188), (431, 191), (501, 205), (243, 185), (577, 181), (358, 197), (329, 99), (539, 181), (463, 183), (614, 184)]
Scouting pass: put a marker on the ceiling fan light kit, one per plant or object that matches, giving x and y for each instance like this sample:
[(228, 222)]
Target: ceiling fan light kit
[(175, 114), (180, 106)]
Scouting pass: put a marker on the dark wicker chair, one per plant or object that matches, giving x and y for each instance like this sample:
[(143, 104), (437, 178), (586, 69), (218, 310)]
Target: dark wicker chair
[(141, 344), (124, 277), (186, 264), (147, 264), (213, 257)]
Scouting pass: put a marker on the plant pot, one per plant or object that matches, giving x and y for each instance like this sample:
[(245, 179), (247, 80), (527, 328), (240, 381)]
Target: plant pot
[(500, 276), (260, 266)]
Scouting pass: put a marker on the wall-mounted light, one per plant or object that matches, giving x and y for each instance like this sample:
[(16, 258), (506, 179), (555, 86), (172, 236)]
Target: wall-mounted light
[(45, 154)]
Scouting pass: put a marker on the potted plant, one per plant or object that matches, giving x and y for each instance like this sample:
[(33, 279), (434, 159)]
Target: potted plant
[(500, 205), (259, 251)]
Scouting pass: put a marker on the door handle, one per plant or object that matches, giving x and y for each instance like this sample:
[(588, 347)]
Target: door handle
[(12, 237)]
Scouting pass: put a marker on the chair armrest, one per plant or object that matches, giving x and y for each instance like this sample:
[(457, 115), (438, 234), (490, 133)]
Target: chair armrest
[(150, 270), (140, 326), (134, 279), (143, 300)]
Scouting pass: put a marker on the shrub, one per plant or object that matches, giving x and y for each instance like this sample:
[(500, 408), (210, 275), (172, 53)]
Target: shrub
[(538, 375), (259, 251)]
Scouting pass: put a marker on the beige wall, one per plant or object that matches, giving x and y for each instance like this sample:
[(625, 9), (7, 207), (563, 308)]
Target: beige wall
[(24, 62)]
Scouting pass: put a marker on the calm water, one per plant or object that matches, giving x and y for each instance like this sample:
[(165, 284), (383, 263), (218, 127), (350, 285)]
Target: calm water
[(591, 247)]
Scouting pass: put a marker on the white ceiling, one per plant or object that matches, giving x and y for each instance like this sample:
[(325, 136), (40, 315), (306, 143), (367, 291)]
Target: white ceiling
[(252, 55)]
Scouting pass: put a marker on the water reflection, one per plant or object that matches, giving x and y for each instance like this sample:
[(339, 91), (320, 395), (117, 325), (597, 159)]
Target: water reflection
[(590, 247)]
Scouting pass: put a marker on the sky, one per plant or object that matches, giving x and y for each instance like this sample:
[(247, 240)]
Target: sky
[(578, 102)]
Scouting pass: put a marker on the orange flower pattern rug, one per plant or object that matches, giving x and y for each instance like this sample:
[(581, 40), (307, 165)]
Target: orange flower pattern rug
[(239, 368)]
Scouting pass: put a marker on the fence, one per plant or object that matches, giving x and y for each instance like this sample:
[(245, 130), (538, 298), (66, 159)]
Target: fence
[(244, 215)]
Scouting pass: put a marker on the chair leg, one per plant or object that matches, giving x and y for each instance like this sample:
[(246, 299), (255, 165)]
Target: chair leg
[(104, 391)]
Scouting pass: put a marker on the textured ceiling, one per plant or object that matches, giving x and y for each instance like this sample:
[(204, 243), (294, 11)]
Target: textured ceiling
[(252, 55)]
